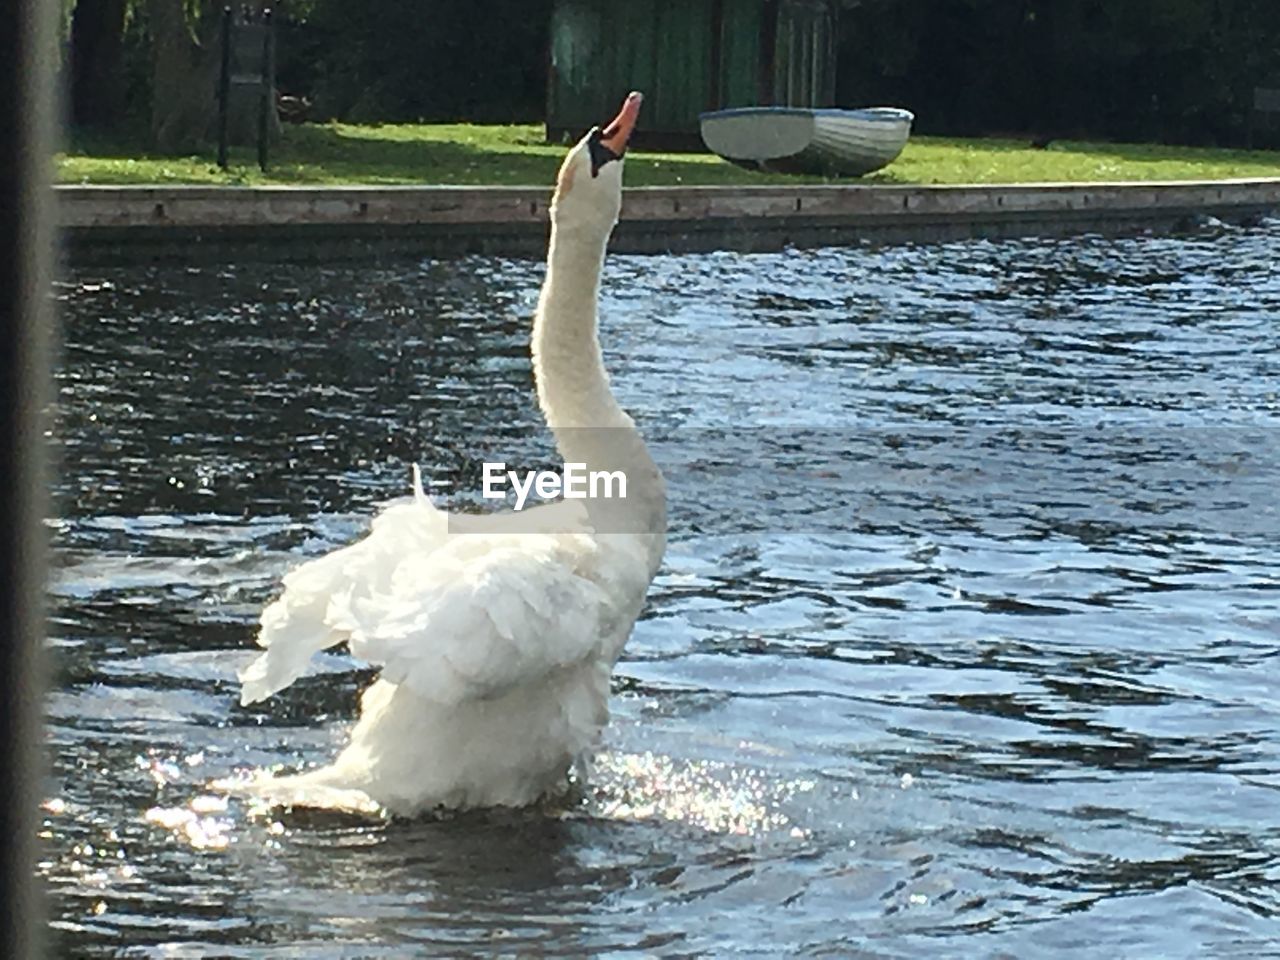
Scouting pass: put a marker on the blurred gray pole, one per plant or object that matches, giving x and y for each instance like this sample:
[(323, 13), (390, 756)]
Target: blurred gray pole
[(27, 53)]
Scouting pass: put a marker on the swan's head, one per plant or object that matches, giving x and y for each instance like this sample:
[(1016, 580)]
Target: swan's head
[(589, 185)]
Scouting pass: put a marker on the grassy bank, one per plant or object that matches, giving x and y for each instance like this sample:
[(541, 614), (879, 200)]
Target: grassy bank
[(465, 154)]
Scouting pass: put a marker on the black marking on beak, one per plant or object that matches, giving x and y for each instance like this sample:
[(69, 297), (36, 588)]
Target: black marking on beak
[(600, 154)]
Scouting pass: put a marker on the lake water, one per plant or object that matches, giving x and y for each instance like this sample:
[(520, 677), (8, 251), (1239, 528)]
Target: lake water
[(967, 642)]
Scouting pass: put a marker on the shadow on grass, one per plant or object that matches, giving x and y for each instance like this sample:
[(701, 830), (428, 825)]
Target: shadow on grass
[(339, 154), (506, 156), (328, 154)]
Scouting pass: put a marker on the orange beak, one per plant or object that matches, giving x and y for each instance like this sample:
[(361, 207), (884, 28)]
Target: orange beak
[(617, 133)]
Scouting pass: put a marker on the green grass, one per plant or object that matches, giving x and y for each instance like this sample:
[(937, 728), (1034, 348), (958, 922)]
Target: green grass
[(338, 154)]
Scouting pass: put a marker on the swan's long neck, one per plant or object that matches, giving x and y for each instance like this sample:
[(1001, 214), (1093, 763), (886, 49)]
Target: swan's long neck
[(573, 386)]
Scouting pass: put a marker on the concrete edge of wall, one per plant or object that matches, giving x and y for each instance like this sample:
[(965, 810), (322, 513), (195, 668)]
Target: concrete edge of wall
[(132, 223)]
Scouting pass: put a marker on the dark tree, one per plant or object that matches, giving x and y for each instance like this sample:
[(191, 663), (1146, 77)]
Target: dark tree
[(97, 62), (183, 76), (185, 66), (1178, 71)]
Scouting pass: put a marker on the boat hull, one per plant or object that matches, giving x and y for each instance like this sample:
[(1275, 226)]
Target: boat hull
[(799, 140)]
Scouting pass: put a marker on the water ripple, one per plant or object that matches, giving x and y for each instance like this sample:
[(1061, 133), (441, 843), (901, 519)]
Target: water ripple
[(965, 643)]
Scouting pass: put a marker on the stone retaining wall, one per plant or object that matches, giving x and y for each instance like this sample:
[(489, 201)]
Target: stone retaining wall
[(101, 223)]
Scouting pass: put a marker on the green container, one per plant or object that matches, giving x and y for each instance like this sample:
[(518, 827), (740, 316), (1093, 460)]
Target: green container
[(687, 57)]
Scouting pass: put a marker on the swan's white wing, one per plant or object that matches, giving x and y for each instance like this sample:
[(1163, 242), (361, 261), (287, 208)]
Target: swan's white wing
[(300, 623), (480, 615), (454, 617)]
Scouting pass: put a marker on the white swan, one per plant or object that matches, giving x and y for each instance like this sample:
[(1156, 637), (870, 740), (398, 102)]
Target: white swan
[(496, 634)]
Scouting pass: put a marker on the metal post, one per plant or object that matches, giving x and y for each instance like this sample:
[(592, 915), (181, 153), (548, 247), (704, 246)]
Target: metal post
[(28, 48), (265, 106), (224, 87)]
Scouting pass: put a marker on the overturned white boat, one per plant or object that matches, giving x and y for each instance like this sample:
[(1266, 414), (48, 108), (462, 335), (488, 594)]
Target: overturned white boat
[(808, 140)]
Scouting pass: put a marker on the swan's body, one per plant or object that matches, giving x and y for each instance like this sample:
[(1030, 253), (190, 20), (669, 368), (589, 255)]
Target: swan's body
[(496, 634)]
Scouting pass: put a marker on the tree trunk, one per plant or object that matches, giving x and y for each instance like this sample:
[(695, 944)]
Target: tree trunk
[(184, 79), (97, 62)]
